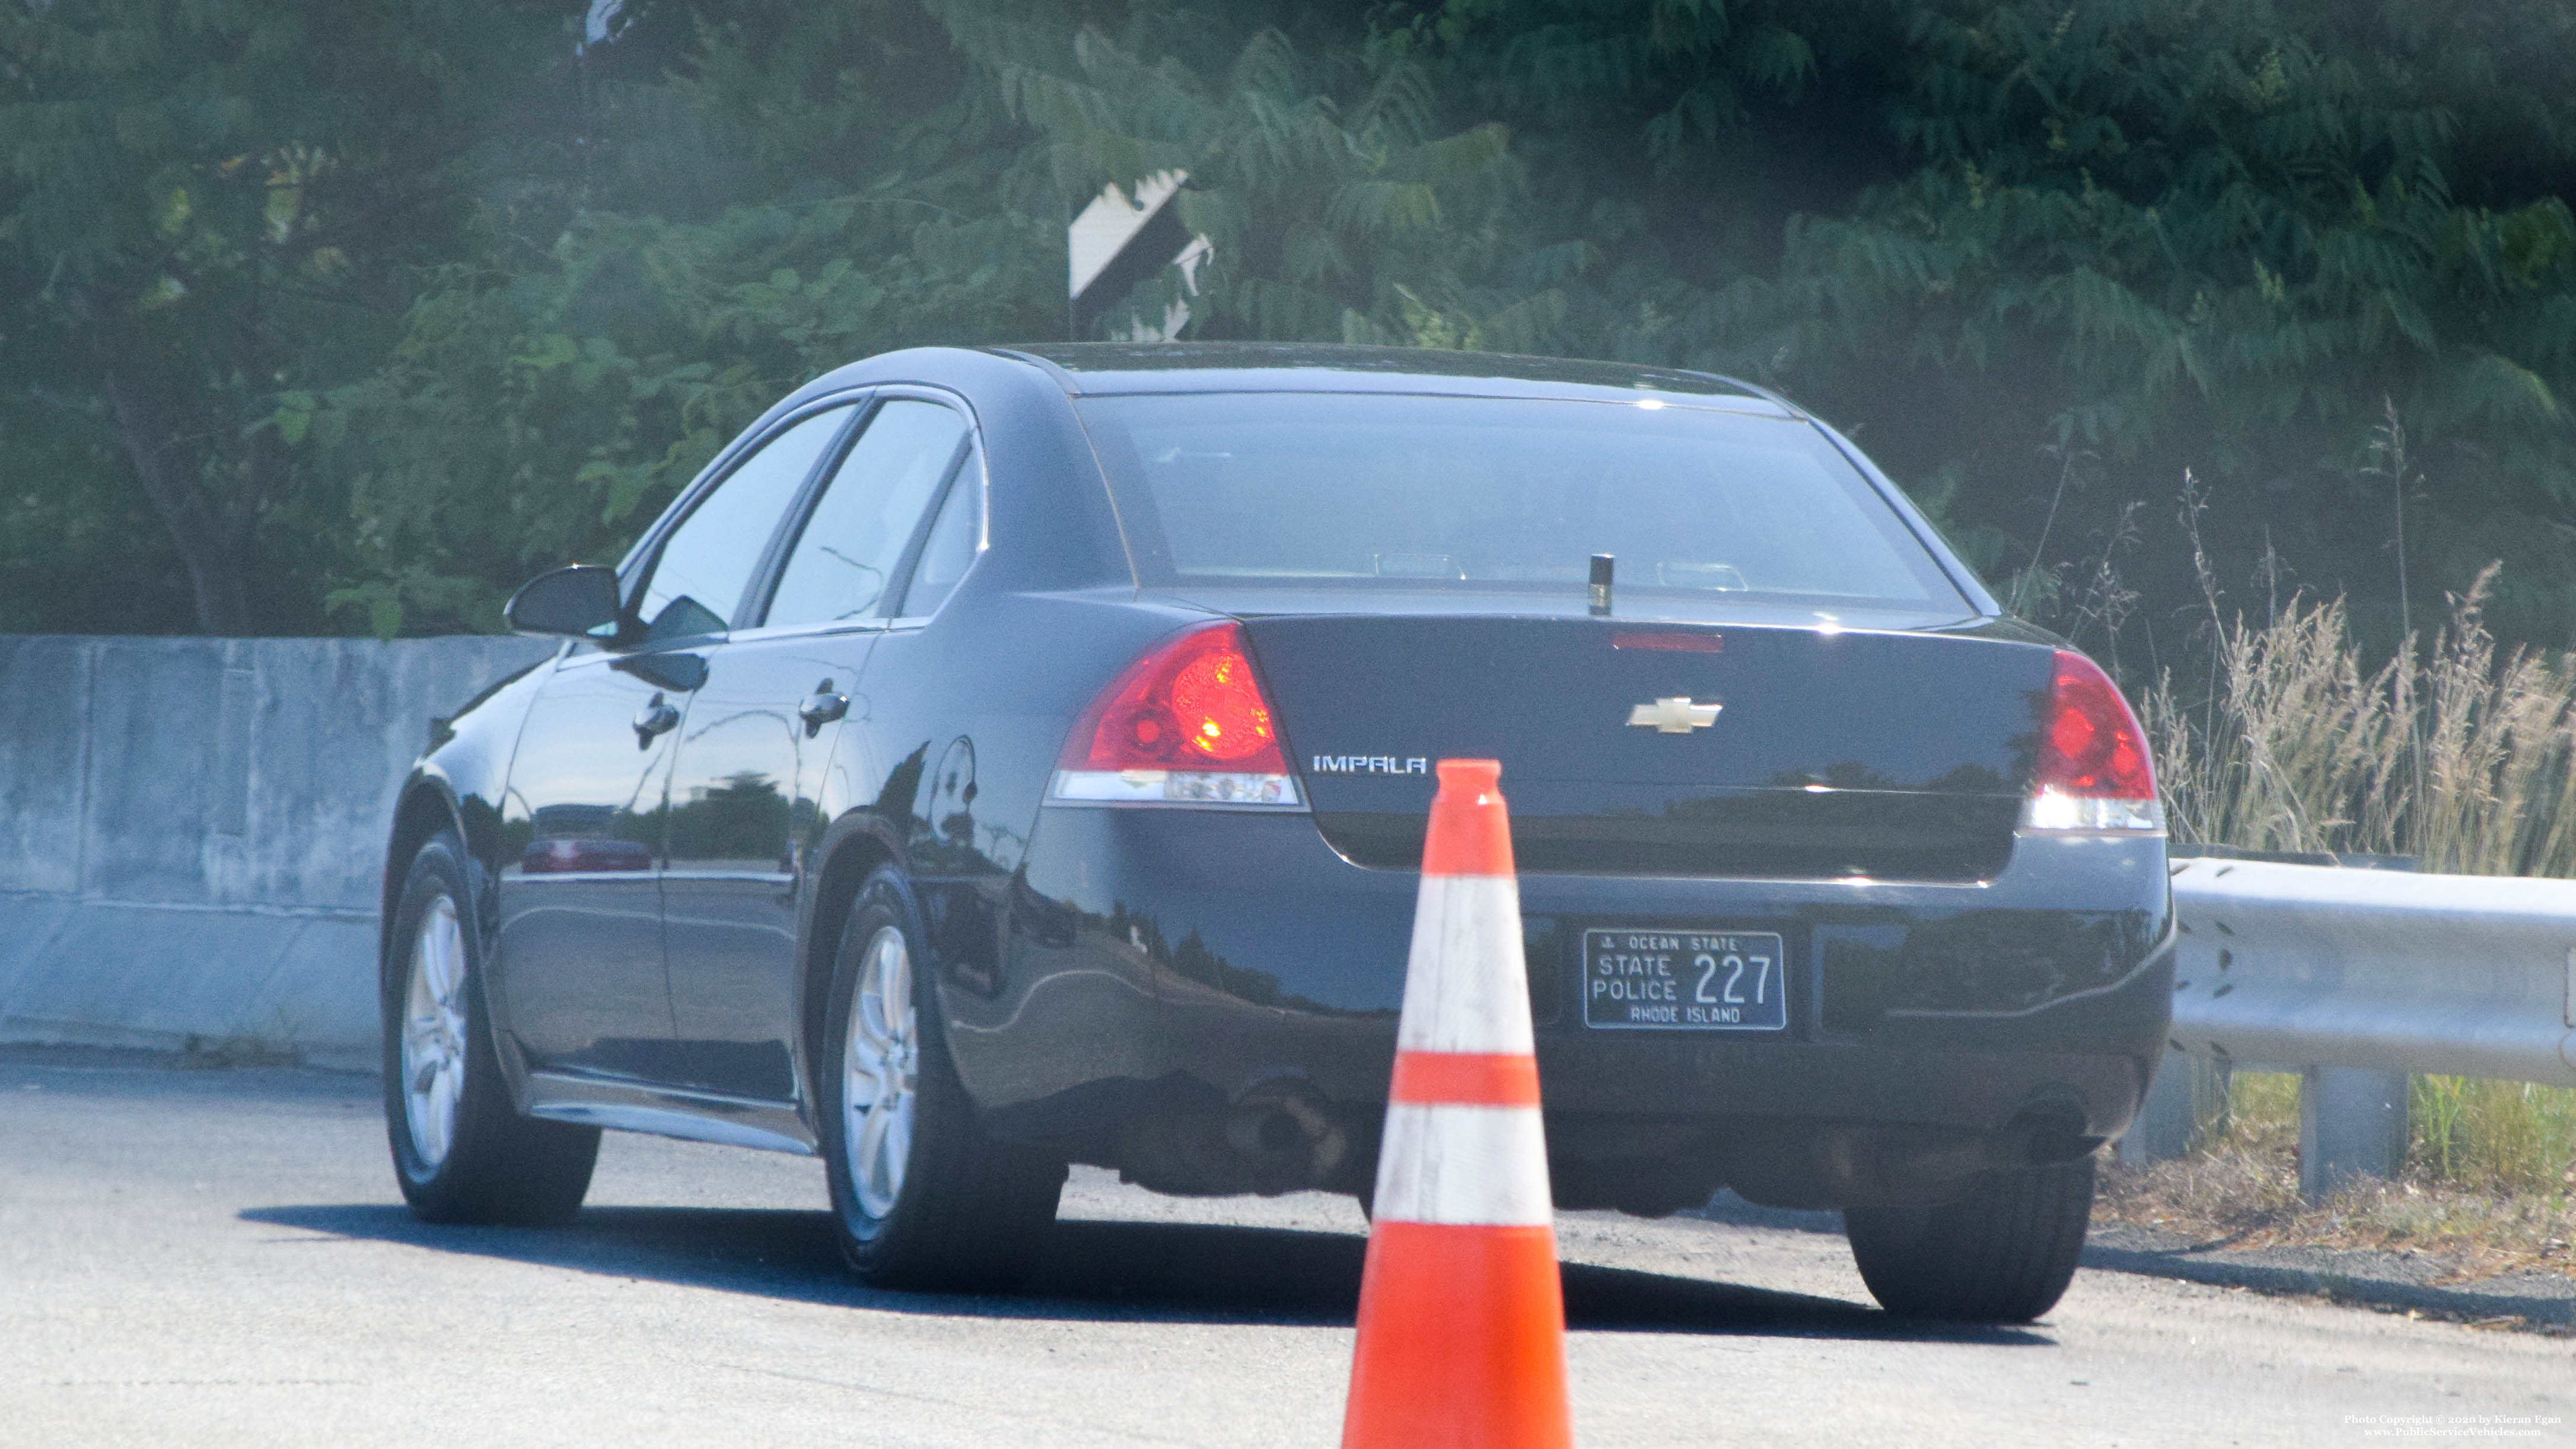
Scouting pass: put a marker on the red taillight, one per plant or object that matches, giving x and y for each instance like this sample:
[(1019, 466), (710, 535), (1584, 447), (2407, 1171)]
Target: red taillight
[(2093, 770), (1192, 704), (1186, 724), (2093, 745)]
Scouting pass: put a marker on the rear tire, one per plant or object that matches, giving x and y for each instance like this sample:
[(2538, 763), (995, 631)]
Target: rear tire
[(921, 1198), (461, 1153), (2002, 1254)]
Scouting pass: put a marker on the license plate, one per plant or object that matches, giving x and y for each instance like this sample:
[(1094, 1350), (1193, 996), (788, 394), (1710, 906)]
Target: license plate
[(1672, 980)]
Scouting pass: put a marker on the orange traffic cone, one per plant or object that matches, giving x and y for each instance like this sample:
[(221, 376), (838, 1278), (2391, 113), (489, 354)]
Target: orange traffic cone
[(1462, 1323)]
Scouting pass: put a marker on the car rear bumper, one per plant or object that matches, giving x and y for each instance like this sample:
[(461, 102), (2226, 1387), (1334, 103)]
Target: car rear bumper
[(1159, 958)]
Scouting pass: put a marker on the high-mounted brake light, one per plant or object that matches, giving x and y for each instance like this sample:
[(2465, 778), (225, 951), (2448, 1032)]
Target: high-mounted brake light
[(1187, 724), (2093, 771)]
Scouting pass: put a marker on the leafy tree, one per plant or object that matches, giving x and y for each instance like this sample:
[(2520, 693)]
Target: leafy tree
[(2023, 245), (2042, 259), (765, 191), (206, 213)]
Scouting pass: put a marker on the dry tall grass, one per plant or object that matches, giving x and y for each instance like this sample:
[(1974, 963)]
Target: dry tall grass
[(2459, 754)]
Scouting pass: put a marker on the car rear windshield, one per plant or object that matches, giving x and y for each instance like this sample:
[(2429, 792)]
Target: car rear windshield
[(1338, 490)]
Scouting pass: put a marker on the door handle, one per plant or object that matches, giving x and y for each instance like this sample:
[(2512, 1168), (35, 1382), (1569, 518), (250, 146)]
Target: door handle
[(821, 708), (657, 718)]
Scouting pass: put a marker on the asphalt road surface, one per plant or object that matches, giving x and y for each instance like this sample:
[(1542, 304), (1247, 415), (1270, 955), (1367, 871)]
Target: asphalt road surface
[(219, 1257)]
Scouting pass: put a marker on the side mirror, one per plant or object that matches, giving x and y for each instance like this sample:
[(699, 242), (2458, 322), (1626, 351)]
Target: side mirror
[(579, 600)]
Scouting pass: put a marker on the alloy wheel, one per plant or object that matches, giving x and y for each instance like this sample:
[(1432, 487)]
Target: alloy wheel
[(880, 1074), (433, 1033)]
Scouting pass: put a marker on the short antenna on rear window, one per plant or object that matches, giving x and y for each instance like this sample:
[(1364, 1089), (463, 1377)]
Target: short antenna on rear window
[(1602, 564)]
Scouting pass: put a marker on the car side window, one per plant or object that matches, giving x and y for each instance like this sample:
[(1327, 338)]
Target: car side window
[(854, 539), (954, 540), (706, 564)]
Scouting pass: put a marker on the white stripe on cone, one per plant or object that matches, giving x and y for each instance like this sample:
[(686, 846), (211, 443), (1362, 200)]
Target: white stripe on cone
[(1466, 989), (1479, 1166)]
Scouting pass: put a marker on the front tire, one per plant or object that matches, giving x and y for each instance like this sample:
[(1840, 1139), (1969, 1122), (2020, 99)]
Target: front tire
[(2002, 1254), (461, 1153), (921, 1198)]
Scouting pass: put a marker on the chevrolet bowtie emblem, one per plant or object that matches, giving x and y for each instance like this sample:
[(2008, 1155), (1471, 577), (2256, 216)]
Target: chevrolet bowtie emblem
[(1675, 716)]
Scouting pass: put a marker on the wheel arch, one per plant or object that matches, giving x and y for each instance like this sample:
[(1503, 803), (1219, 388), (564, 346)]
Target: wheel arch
[(425, 808), (850, 852)]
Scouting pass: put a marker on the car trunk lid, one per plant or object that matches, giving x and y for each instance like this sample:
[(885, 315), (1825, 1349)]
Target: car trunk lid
[(1755, 751)]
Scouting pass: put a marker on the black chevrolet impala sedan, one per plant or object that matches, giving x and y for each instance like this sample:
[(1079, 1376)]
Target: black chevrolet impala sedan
[(1000, 759)]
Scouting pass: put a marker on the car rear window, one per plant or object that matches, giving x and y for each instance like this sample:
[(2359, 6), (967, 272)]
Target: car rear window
[(1335, 490)]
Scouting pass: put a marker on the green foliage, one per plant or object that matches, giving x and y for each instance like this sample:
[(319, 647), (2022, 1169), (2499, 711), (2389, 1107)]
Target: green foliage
[(2513, 1136), (431, 302), (1349, 145), (2515, 1141), (79, 546), (545, 401), (202, 207), (2170, 235)]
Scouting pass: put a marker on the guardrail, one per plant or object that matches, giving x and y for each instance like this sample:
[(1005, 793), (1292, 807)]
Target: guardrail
[(2357, 978), (2466, 975)]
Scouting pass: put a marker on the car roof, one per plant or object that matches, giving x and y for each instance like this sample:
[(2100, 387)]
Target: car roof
[(1091, 369)]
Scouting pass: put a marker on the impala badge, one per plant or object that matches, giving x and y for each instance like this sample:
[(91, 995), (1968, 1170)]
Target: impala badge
[(1675, 716)]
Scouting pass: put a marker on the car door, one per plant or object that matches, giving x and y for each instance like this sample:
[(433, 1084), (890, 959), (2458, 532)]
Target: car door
[(743, 812), (581, 935), (921, 723)]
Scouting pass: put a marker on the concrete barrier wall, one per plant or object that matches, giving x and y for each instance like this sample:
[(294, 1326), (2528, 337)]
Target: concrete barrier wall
[(192, 831)]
